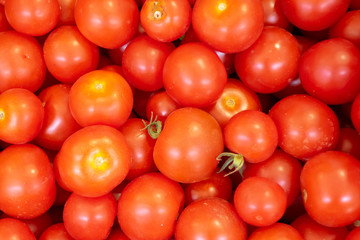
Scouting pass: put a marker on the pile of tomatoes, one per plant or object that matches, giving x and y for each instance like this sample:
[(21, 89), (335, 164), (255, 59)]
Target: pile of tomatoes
[(180, 119)]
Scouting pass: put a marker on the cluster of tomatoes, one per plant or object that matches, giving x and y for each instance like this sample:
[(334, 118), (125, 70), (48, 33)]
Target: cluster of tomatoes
[(180, 119)]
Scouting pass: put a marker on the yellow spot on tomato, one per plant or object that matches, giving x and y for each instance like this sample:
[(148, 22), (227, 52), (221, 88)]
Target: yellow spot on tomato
[(2, 114), (100, 161)]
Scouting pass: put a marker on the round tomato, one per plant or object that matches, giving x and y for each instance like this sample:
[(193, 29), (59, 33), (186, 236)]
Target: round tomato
[(275, 232), (66, 12), (56, 232), (349, 140), (160, 105), (347, 27), (354, 234), (15, 229), (273, 15), (4, 24), (355, 113)]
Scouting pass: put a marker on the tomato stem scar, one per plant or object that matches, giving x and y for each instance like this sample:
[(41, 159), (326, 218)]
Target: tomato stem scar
[(154, 127), (235, 162)]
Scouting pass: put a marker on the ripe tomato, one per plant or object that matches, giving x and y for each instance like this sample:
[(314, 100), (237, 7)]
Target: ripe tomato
[(193, 75), (229, 25), (354, 234), (27, 186), (271, 62), (93, 161), (56, 232), (306, 126), (21, 116), (89, 218), (4, 24), (69, 55), (21, 62), (117, 234), (165, 20), (151, 203), (273, 15), (330, 185), (15, 229), (33, 18), (212, 218), (160, 105), (347, 27), (275, 232), (355, 113), (66, 12), (188, 145), (101, 97), (349, 141), (116, 20)]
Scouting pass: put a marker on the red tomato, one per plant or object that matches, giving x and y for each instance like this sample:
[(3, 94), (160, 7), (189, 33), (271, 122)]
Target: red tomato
[(330, 71), (66, 12), (39, 224), (89, 218), (148, 207), (229, 25), (330, 185), (314, 15), (354, 4), (252, 134), (273, 15), (275, 232), (349, 142), (117, 234), (27, 186), (160, 105), (21, 62), (347, 27), (235, 98), (311, 230), (355, 113), (4, 24), (15, 229), (56, 232), (143, 61), (101, 97), (93, 161), (116, 20), (354, 234), (58, 121), (271, 62), (21, 116), (188, 145), (306, 126), (193, 75), (165, 20), (69, 55), (212, 218), (33, 18)]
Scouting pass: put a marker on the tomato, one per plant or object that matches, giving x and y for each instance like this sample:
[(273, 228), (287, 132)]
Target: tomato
[(165, 20), (160, 105), (148, 207), (330, 185), (93, 161), (89, 218), (347, 27), (306, 126), (212, 218), (252, 134), (275, 232), (354, 234), (355, 113), (4, 24), (140, 100), (101, 97), (329, 71), (271, 62), (69, 55), (66, 12), (354, 4), (273, 15), (281, 168), (349, 140), (58, 121), (21, 116), (311, 230), (229, 25), (117, 234), (56, 232), (33, 18), (235, 98), (314, 15), (188, 145), (15, 229), (21, 62), (27, 186), (143, 61), (116, 20), (193, 75)]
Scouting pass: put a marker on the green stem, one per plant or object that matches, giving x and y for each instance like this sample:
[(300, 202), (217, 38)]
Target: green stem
[(235, 162), (154, 127)]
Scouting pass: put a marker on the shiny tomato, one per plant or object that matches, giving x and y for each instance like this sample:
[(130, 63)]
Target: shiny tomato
[(66, 12), (56, 232), (273, 15), (148, 207), (160, 105), (347, 27), (15, 229), (354, 234), (93, 161), (349, 141), (275, 232), (21, 116), (188, 145), (355, 113), (229, 25)]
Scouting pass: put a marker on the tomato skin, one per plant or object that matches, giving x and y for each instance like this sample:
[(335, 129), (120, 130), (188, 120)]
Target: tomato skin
[(56, 232), (349, 140), (275, 232), (21, 62), (66, 12), (34, 181), (101, 97), (273, 15), (15, 229), (93, 161), (329, 71), (33, 18), (355, 113), (160, 105), (193, 75), (314, 15), (188, 145), (21, 116), (69, 55), (150, 203), (354, 234), (228, 26), (4, 24), (347, 27), (116, 20), (354, 4), (89, 218), (306, 126), (117, 234), (271, 62), (330, 186), (212, 218), (252, 134)]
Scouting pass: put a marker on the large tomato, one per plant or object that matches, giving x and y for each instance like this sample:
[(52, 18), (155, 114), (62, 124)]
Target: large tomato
[(56, 232), (275, 232), (15, 229)]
